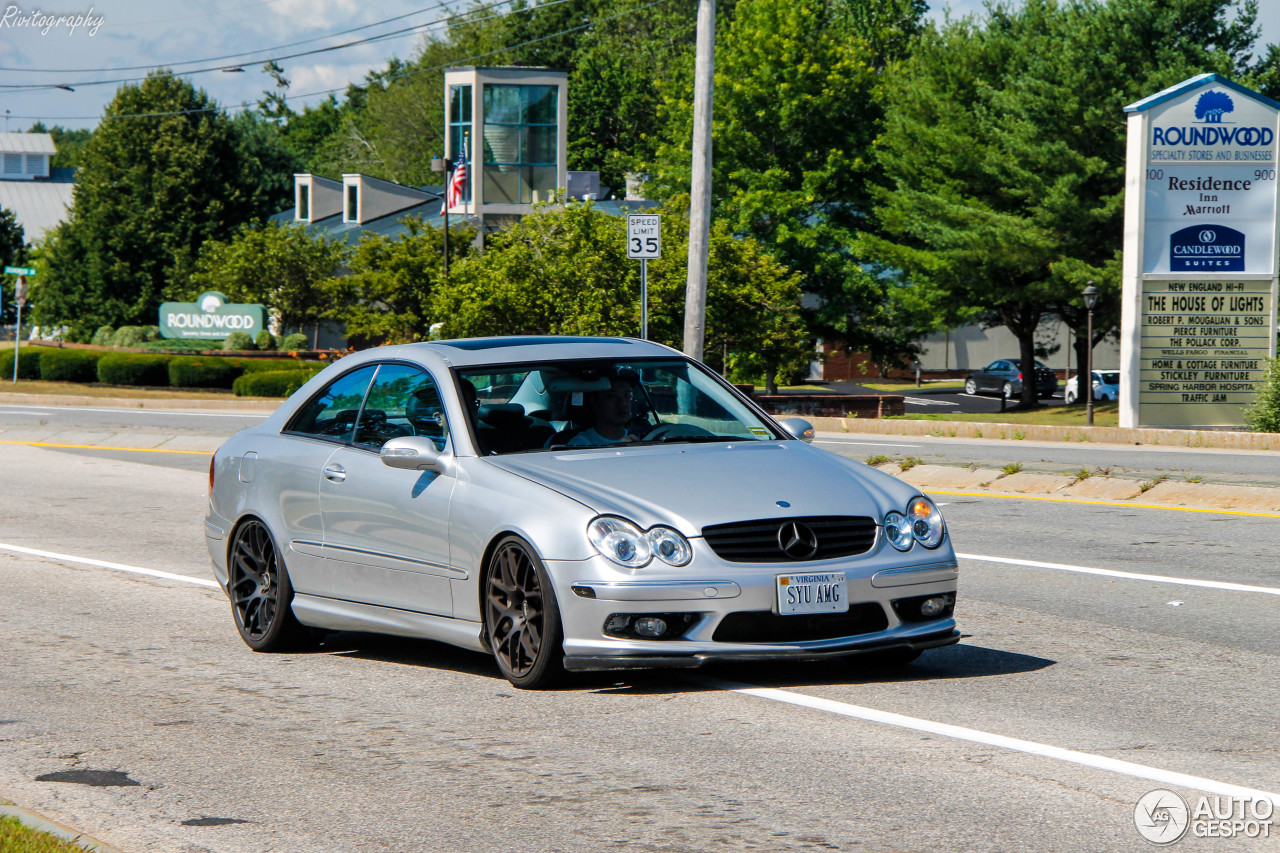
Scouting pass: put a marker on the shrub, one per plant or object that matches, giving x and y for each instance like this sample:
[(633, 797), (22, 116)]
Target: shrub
[(187, 371), (264, 340), (69, 365), (129, 336), (271, 383), (238, 341), (103, 337), (1264, 414), (296, 341), (124, 368), (28, 362), (261, 365)]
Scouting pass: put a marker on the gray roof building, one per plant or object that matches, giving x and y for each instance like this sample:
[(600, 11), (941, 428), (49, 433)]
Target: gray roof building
[(38, 195)]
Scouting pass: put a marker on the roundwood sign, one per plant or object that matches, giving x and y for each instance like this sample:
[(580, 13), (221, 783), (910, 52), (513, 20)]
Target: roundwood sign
[(1199, 312), (210, 317)]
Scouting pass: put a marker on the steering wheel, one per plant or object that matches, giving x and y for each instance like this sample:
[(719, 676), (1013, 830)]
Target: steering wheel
[(663, 432)]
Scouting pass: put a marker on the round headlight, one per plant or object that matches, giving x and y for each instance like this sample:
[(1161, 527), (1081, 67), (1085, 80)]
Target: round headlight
[(620, 541), (926, 522), (898, 531), (669, 546)]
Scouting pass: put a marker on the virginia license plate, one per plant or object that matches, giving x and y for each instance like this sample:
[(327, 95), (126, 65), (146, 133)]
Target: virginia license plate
[(818, 592)]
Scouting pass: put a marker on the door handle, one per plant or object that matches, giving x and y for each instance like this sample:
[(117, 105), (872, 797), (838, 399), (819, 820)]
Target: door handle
[(335, 472)]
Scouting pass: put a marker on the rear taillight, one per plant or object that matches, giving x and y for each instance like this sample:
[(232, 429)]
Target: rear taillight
[(212, 461), (1019, 377)]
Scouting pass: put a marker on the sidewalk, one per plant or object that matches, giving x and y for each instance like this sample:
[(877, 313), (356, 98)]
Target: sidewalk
[(212, 404), (34, 821)]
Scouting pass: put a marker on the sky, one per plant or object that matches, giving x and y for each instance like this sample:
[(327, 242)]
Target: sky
[(76, 44)]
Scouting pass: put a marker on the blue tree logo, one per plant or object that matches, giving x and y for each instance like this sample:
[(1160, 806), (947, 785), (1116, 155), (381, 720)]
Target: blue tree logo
[(1212, 105)]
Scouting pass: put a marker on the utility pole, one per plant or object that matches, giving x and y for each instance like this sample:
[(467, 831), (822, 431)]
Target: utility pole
[(695, 299)]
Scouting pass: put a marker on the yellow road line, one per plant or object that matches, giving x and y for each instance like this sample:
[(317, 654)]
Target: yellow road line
[(1104, 503), (107, 447)]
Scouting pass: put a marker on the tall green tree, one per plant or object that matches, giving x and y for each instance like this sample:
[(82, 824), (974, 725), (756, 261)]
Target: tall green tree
[(564, 270), (161, 175), (796, 114), (385, 295), (279, 266), (1003, 148), (13, 252)]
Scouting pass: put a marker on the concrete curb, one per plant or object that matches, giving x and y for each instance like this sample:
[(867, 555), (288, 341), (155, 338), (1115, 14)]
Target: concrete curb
[(1196, 438), (1260, 500), (34, 821), (233, 404)]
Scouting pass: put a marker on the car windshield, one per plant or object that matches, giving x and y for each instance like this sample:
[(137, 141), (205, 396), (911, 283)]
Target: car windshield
[(1110, 377), (598, 403)]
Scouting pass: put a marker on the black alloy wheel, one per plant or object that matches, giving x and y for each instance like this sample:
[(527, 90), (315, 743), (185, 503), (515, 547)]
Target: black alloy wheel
[(521, 620), (260, 591)]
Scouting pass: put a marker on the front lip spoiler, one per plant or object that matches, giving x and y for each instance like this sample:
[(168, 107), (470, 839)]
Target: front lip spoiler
[(592, 663)]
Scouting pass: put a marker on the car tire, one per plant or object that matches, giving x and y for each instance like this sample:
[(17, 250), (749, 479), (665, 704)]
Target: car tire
[(521, 618), (970, 387), (261, 593), (1069, 398), (1007, 390), (887, 658)]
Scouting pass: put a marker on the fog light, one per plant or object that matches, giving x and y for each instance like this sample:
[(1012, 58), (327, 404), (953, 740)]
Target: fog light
[(650, 626), (931, 607)]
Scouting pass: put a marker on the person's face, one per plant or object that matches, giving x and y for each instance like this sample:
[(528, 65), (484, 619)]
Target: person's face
[(613, 407)]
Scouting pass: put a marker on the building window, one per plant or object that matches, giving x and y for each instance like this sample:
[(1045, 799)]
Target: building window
[(35, 164), (460, 131), (13, 164), (304, 203), (520, 136), (352, 212)]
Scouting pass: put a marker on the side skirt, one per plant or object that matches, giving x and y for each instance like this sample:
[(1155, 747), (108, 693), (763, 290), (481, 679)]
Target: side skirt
[(337, 615)]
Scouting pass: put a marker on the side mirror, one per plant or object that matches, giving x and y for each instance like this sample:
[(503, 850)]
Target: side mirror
[(415, 453), (798, 428)]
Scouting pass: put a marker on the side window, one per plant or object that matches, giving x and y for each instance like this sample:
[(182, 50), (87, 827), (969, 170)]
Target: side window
[(331, 414), (402, 401)]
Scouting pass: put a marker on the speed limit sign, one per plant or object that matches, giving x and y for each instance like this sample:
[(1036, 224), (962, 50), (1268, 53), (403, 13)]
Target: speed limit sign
[(644, 236)]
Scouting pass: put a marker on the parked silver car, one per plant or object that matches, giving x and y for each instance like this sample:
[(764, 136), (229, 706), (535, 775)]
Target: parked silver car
[(567, 504)]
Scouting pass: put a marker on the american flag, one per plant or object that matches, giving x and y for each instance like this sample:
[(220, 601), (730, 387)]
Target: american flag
[(453, 193)]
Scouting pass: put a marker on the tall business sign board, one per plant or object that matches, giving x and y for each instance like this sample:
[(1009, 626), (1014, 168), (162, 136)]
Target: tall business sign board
[(1198, 320)]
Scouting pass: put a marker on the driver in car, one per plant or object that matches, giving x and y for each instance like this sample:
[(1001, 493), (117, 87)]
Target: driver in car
[(611, 413)]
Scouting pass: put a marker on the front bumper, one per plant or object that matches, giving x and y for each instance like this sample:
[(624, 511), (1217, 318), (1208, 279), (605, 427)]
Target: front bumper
[(591, 591)]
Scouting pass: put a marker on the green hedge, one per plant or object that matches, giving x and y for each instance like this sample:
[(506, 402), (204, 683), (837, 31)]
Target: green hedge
[(263, 365), (272, 383), (193, 371), (125, 368), (28, 362), (69, 365)]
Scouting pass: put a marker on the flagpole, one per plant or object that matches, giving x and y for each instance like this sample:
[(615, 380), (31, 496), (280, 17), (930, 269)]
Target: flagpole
[(448, 180)]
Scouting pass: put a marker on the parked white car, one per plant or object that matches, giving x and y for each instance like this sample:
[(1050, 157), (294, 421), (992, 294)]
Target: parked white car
[(1106, 386)]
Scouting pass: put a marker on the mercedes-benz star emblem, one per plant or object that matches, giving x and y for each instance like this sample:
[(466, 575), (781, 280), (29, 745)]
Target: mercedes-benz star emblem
[(797, 541)]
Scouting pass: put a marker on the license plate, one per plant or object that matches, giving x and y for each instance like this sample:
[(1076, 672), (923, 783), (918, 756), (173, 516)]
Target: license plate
[(819, 592)]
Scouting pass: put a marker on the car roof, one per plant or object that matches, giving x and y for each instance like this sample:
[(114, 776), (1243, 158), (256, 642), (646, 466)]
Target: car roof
[(473, 352)]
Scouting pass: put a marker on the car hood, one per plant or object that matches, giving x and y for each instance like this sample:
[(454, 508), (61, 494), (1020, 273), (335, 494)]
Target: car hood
[(689, 486)]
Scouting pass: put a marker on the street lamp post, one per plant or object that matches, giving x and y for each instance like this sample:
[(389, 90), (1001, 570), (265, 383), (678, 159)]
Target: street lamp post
[(442, 164), (1086, 376)]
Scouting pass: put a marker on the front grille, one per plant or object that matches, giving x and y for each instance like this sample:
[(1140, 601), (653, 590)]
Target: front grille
[(762, 626), (757, 541)]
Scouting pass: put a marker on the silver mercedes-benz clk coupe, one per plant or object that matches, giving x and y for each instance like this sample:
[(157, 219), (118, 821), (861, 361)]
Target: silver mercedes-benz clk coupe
[(568, 504)]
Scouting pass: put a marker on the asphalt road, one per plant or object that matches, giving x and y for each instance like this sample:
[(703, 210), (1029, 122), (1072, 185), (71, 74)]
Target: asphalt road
[(130, 709)]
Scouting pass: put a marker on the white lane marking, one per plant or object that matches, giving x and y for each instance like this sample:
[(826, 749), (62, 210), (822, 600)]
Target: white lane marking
[(71, 409), (103, 564), (1087, 759), (22, 413), (919, 402), (864, 443), (1111, 573)]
